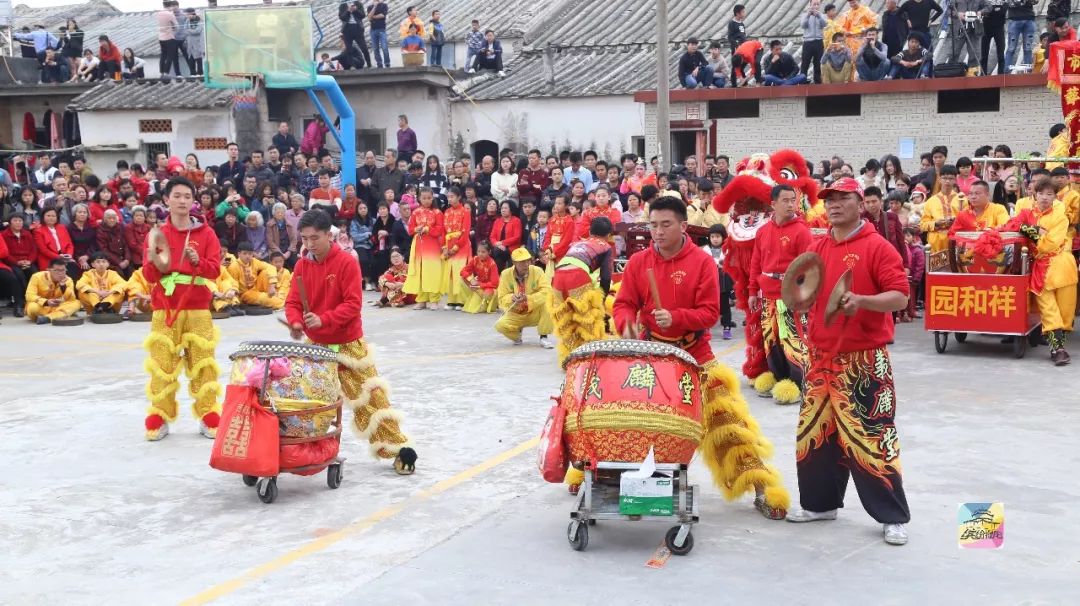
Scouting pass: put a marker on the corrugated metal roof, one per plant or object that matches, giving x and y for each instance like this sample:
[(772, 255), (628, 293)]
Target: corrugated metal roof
[(181, 93)]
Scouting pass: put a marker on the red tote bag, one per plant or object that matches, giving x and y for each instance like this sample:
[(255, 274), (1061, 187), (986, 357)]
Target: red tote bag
[(248, 438), (551, 453)]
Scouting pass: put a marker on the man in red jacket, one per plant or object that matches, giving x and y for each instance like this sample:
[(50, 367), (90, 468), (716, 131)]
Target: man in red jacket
[(181, 300), (784, 237), (846, 423), (689, 288), (332, 285)]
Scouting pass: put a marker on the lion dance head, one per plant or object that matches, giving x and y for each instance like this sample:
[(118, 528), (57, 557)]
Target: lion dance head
[(747, 201)]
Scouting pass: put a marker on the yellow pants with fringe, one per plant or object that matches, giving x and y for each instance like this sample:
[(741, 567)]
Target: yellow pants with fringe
[(369, 395), (579, 318), (194, 338), (732, 445)]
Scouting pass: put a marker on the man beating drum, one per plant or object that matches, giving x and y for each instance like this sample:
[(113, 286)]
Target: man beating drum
[(324, 304), (688, 292)]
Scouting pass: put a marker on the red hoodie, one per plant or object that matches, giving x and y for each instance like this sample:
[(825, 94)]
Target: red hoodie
[(775, 247), (333, 293), (205, 243), (689, 288), (876, 268)]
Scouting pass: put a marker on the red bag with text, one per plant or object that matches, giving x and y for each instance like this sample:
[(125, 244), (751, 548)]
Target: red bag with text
[(551, 453), (248, 437)]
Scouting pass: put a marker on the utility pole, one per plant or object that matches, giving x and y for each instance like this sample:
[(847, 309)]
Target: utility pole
[(663, 112)]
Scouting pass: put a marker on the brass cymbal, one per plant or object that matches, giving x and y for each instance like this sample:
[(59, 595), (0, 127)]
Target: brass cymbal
[(158, 251), (802, 281), (837, 296)]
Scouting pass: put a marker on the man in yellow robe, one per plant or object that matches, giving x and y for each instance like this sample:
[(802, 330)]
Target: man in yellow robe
[(138, 293), (1069, 198), (1053, 275), (1059, 145), (941, 209), (101, 290), (226, 292), (256, 280), (987, 215), (523, 295), (855, 22), (50, 295), (284, 276)]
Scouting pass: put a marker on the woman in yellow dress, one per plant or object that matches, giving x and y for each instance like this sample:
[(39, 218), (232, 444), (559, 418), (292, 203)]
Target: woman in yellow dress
[(457, 249), (425, 257)]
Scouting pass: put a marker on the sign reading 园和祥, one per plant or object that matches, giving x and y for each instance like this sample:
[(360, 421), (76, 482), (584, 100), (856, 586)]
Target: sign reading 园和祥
[(986, 303)]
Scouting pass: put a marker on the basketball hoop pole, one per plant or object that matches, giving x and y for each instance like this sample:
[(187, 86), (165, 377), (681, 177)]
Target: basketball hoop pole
[(345, 135)]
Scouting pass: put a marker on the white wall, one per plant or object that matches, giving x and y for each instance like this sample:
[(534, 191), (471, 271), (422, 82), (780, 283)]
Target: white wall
[(605, 124), (100, 128), (1023, 123)]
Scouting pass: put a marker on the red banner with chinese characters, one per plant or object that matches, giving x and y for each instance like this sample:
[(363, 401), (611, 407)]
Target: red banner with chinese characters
[(985, 303), (1064, 75)]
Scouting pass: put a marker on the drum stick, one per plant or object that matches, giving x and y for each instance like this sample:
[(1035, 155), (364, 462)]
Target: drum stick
[(654, 289), (286, 324), (303, 293)]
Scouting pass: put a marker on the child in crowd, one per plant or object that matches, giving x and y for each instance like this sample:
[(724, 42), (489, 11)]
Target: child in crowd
[(101, 290), (256, 279), (717, 235), (284, 276), (481, 276), (916, 274), (392, 282), (138, 293)]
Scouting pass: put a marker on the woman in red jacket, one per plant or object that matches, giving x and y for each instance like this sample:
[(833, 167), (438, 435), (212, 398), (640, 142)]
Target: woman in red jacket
[(505, 234), (53, 241), (10, 285)]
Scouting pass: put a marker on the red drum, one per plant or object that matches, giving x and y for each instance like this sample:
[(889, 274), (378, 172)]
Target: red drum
[(622, 397), (987, 252)]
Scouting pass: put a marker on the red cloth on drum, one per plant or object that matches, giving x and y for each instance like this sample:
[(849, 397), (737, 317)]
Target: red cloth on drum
[(689, 288), (309, 453)]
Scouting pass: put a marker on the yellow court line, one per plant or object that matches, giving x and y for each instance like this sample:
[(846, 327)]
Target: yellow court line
[(322, 543)]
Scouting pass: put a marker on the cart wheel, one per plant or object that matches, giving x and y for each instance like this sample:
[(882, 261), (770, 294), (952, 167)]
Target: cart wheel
[(941, 341), (961, 337), (1019, 347), (267, 489), (669, 540), (579, 539), (333, 476), (250, 480)]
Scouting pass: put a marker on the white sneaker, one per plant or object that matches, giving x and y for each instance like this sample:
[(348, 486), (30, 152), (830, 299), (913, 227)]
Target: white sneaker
[(517, 341), (156, 435), (803, 515), (546, 343), (207, 432), (502, 74), (470, 71), (895, 534)]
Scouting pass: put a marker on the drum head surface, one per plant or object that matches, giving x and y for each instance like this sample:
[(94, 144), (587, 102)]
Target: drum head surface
[(257, 310), (220, 315), (277, 349), (630, 348), (106, 318), (140, 317), (68, 322)]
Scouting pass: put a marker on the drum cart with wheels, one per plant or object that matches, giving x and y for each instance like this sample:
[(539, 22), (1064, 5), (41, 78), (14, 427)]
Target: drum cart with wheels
[(598, 499)]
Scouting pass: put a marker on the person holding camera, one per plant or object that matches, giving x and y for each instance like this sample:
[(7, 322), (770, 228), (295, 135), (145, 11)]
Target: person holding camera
[(872, 62), (813, 46), (966, 31)]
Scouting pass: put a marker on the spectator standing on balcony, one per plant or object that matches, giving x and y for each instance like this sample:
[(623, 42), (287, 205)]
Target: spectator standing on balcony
[(894, 28), (919, 15), (873, 63), (490, 56), (914, 62), (436, 38), (181, 38), (719, 66), (782, 69), (1022, 30), (196, 42), (836, 64), (411, 18), (376, 14), (694, 69), (110, 58), (351, 15), (966, 30), (474, 42), (736, 28), (41, 39), (993, 23), (831, 26), (71, 38), (406, 138), (746, 62), (166, 35), (813, 46), (855, 22)]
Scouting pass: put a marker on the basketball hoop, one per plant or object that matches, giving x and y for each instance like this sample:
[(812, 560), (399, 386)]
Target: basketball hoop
[(246, 89)]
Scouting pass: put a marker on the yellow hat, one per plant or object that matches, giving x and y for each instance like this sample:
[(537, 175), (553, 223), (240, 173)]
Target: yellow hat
[(521, 254)]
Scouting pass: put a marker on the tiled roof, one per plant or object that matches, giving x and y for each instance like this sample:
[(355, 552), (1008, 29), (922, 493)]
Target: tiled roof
[(181, 93)]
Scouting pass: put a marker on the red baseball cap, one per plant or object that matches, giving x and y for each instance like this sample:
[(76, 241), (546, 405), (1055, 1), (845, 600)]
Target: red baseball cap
[(845, 185)]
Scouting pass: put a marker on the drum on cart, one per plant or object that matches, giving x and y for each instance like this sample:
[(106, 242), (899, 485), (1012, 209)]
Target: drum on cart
[(623, 397), (986, 252)]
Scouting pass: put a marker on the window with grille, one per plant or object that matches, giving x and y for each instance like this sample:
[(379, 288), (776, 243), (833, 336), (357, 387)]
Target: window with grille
[(371, 140), (152, 150), (210, 143), (155, 126)]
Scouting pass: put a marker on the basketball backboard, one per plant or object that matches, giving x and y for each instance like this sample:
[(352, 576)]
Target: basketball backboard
[(272, 41)]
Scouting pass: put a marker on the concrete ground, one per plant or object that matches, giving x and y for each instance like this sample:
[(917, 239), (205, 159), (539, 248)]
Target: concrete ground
[(93, 514)]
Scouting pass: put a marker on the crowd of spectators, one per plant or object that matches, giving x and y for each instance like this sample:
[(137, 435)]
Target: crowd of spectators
[(856, 44)]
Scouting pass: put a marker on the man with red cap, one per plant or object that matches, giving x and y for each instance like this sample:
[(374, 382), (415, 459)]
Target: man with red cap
[(846, 422)]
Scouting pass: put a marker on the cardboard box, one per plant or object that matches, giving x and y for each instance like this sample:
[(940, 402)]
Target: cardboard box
[(645, 496)]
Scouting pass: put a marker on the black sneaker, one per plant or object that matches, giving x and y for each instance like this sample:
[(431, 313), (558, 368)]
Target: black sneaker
[(42, 320)]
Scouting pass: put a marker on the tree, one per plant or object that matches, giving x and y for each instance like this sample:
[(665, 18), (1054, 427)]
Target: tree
[(457, 146), (567, 145), (607, 152), (554, 148)]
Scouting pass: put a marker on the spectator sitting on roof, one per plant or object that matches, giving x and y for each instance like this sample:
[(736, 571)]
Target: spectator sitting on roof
[(88, 68), (490, 56), (746, 62), (694, 69), (132, 67), (782, 69), (110, 58), (54, 69), (872, 63), (914, 62), (412, 48), (349, 57), (41, 39), (328, 65), (836, 64)]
